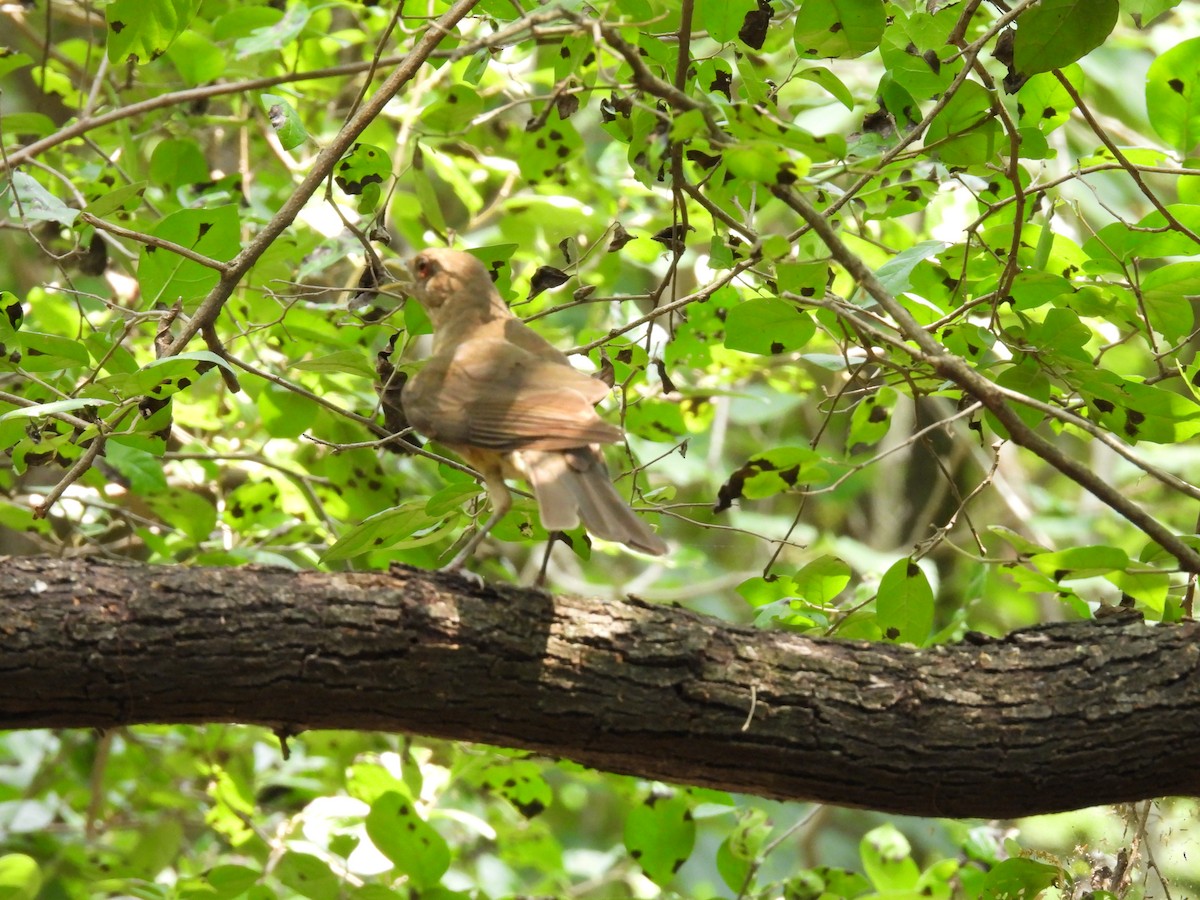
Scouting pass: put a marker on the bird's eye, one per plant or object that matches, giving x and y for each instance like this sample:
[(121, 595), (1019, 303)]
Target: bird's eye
[(424, 268)]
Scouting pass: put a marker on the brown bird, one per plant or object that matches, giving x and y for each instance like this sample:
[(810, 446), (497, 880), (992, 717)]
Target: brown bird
[(504, 399)]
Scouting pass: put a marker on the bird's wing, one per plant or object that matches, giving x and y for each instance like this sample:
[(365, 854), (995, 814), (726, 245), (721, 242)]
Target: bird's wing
[(492, 394)]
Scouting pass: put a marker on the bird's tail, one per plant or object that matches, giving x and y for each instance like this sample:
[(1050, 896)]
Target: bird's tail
[(571, 485)]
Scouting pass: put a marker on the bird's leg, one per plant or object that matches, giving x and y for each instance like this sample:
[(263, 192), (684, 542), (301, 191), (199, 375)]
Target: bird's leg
[(501, 500), (541, 579)]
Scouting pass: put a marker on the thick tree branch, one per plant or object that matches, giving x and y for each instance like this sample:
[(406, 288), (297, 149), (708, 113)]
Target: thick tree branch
[(1048, 719)]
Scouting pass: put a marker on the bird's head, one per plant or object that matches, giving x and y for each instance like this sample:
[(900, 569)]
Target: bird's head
[(448, 278)]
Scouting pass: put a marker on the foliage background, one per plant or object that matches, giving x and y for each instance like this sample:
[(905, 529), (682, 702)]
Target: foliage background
[(1042, 230)]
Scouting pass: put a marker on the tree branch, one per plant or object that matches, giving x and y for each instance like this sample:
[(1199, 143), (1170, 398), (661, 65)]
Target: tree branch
[(956, 369), (1048, 719)]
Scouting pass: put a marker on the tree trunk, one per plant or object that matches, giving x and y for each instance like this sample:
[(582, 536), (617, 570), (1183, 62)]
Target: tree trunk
[(1048, 719)]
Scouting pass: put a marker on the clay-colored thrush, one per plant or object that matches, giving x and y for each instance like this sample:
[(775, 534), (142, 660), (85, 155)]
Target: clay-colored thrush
[(505, 400)]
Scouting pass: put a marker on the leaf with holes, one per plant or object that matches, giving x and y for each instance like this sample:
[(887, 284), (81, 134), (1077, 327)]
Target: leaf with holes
[(904, 604), (660, 834), (838, 28), (400, 834), (1173, 95), (767, 326)]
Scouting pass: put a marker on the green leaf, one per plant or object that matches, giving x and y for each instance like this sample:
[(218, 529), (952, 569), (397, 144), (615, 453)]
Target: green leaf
[(871, 419), (1166, 292), (407, 525), (1173, 95), (739, 851), (362, 171), (20, 878), (26, 123), (285, 414), (722, 19), (904, 604), (166, 277), (820, 581), (50, 352), (1081, 562), (660, 834), (895, 274), (11, 61), (163, 378), (966, 130), (345, 362), (1016, 878), (453, 112), (401, 835), (230, 881), (57, 406), (308, 875), (520, 782), (1043, 103), (887, 860), (285, 120), (33, 203), (767, 326), (196, 58), (838, 28), (545, 151), (1055, 33), (143, 470), (826, 79), (141, 30), (126, 197), (189, 512), (277, 35), (771, 472), (1144, 12)]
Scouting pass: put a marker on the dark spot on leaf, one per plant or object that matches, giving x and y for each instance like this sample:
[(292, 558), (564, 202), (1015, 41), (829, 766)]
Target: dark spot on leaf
[(564, 52), (702, 159), (913, 570), (836, 27), (723, 83), (753, 32), (1103, 405), (117, 27), (563, 151), (776, 347), (877, 414), (1176, 85), (1049, 112), (453, 98), (530, 809), (556, 135), (892, 633)]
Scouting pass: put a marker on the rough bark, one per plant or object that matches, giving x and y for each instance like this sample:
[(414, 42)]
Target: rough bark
[(1048, 719)]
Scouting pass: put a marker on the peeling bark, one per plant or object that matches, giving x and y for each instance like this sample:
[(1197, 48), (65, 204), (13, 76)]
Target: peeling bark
[(1047, 719)]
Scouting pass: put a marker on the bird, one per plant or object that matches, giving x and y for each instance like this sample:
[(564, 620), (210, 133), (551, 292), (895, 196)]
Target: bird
[(511, 405)]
